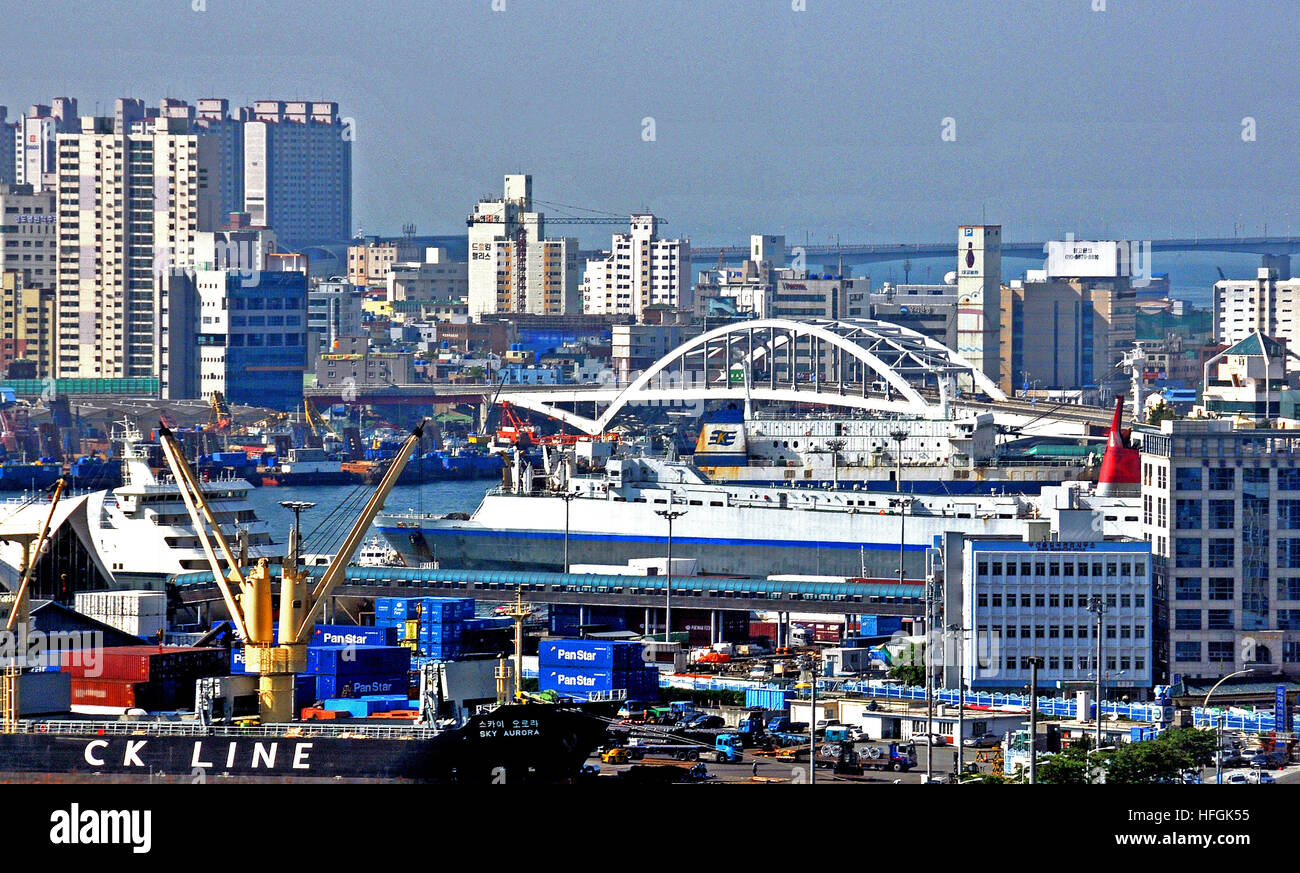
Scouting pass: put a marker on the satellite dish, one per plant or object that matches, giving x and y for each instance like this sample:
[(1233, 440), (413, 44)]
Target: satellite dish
[(950, 277)]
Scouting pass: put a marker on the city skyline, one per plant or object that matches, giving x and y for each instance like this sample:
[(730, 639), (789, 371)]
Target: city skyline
[(1046, 118)]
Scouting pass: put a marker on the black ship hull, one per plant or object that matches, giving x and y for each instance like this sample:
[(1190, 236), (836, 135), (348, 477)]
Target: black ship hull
[(514, 743)]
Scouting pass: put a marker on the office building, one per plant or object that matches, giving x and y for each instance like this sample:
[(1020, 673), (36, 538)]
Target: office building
[(333, 312), (130, 206), (803, 294), (1221, 509), (436, 277), (298, 171), (28, 239), (243, 336), (1027, 599), (640, 270), (35, 142), (634, 347), (513, 268)]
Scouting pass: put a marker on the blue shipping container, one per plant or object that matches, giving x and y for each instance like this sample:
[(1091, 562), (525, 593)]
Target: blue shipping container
[(767, 698), (595, 654), (356, 686), (358, 660), (304, 690), (879, 625), (352, 635), (565, 680)]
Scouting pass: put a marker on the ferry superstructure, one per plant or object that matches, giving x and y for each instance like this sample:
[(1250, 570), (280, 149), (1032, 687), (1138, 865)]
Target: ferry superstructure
[(142, 531), (753, 530)]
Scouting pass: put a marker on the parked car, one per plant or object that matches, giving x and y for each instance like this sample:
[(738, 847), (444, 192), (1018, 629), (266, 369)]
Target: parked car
[(983, 741), (1236, 779), (1259, 762), (1229, 758), (1260, 777), (1191, 777), (927, 739)]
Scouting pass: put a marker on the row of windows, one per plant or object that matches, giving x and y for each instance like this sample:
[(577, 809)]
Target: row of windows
[(1067, 631), (1058, 599), (1068, 663), (1057, 568)]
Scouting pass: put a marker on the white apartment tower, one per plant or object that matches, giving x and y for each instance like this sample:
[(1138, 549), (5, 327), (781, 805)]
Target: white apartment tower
[(979, 295), (512, 267), (35, 141), (131, 197), (641, 270), (1265, 304)]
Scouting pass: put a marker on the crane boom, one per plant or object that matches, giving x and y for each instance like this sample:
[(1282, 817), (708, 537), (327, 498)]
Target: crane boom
[(198, 509), (334, 573)]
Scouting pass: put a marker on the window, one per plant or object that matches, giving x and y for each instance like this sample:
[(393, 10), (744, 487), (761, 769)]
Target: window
[(1024, 599), (1187, 552), (1222, 588), (1291, 649), (1288, 553), (1219, 619), (1187, 619), (997, 598), (1288, 514), (983, 599), (1187, 652), (1289, 588), (1068, 631), (1222, 478), (1187, 513), (1222, 514), (1220, 651), (1288, 479), (1040, 599), (1187, 478)]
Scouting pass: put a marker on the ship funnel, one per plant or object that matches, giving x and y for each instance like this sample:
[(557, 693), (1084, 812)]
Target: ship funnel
[(1121, 466)]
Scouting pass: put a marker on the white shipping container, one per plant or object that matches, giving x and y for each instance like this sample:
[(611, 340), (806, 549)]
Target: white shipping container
[(139, 613)]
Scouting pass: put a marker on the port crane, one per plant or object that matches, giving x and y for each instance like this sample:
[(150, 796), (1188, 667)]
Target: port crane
[(319, 426), (275, 661), (219, 416), (20, 617)]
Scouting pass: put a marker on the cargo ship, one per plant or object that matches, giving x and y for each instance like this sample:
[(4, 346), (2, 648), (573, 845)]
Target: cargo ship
[(512, 743), (741, 529)]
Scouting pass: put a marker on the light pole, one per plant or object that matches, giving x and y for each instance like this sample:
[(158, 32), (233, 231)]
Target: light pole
[(898, 436), (671, 515), (297, 507), (960, 633), (567, 497), (1097, 607), (1034, 663), (1218, 724)]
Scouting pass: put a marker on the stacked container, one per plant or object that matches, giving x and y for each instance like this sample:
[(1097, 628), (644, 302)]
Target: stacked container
[(142, 677), (353, 671), (431, 626), (579, 668), (139, 613)]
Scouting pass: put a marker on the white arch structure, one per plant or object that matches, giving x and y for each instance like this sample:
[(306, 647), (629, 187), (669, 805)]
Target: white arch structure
[(855, 363)]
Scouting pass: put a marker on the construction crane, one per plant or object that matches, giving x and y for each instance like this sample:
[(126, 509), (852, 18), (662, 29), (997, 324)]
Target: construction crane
[(513, 430), (219, 417), (318, 424), (275, 661), (20, 617)]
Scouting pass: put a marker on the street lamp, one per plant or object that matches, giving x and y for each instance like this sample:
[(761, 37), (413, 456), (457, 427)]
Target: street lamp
[(1034, 663), (1218, 726), (297, 507), (898, 436), (960, 633), (567, 497), (1097, 607), (671, 515)]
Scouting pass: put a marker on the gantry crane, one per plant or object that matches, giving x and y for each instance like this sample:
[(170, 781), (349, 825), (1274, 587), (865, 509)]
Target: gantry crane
[(20, 617), (275, 661)]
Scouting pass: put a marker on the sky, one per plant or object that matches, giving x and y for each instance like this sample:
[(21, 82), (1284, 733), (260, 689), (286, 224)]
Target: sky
[(873, 120)]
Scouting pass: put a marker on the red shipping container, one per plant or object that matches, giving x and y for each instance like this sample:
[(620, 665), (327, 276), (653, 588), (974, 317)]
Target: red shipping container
[(145, 663), (762, 629), (103, 692)]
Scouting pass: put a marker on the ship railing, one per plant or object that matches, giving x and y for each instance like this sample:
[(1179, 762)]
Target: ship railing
[(295, 730)]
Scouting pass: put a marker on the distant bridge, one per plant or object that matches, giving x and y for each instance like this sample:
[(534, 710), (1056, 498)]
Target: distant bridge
[(862, 253), (859, 364)]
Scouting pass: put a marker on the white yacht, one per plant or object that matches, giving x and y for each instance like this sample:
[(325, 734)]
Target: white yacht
[(143, 532)]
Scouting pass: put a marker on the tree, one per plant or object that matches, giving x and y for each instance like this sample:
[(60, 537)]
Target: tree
[(1162, 411), (1070, 766), (910, 669)]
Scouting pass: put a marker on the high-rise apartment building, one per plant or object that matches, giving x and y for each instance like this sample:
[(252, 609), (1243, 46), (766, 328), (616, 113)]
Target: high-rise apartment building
[(8, 141), (512, 267), (640, 270), (298, 171), (35, 141), (129, 208), (28, 238), (1265, 304), (26, 323)]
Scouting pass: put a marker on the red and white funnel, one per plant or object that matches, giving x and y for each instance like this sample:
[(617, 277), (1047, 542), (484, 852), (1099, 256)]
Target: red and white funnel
[(1121, 466)]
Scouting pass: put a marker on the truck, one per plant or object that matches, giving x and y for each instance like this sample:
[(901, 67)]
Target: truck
[(728, 749), (658, 771), (843, 758)]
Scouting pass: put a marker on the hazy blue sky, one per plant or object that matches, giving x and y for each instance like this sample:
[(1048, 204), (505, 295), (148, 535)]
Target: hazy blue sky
[(1124, 122)]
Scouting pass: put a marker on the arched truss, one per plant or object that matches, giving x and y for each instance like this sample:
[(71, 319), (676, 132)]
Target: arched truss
[(858, 363)]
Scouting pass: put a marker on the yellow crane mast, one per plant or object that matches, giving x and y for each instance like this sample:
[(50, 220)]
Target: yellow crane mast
[(275, 661)]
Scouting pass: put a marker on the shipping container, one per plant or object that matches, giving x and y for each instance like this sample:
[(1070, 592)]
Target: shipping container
[(594, 654), (581, 680), (145, 663), (768, 698), (355, 686), (44, 693), (139, 613), (879, 625), (358, 660), (353, 635)]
